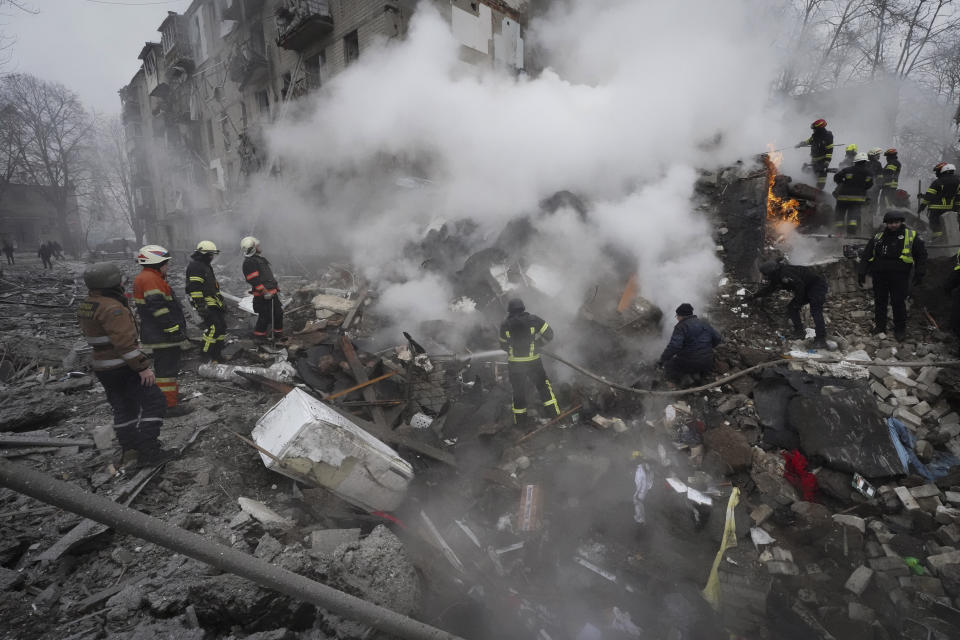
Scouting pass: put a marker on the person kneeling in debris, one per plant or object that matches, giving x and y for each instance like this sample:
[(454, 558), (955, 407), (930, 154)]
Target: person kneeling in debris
[(889, 258), (808, 287), (204, 292), (265, 290), (122, 368), (521, 335), (690, 350), (162, 323)]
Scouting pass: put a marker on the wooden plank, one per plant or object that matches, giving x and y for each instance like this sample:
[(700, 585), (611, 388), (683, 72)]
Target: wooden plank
[(360, 374), (353, 312), (39, 441)]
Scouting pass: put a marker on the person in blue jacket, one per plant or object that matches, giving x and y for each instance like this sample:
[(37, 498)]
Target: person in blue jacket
[(690, 350)]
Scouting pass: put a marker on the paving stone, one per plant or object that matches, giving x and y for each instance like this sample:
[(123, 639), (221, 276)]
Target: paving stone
[(781, 554), (949, 534), (909, 503), (879, 390), (930, 505), (859, 580), (910, 401), (925, 491), (900, 393), (928, 375), (9, 579), (326, 541), (937, 561), (950, 418), (924, 450), (953, 497), (904, 380), (908, 417), (947, 515), (892, 565), (861, 613), (760, 514), (923, 584), (851, 521), (922, 408)]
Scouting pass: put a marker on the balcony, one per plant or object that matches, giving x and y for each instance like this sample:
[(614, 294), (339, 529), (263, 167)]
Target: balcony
[(131, 108), (301, 23), (177, 53), (235, 9)]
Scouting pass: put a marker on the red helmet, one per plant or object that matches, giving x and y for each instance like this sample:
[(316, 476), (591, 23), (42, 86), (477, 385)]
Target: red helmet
[(890, 152), (939, 167), (818, 124)]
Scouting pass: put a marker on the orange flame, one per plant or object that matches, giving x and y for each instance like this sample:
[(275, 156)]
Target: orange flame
[(778, 208)]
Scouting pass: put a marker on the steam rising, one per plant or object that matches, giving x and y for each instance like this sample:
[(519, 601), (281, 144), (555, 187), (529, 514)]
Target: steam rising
[(633, 97)]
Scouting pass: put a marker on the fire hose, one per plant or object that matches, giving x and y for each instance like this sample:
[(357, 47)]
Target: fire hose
[(734, 376), (126, 520)]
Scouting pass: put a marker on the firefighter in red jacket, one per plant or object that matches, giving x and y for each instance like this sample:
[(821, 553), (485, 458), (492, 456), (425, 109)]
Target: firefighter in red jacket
[(121, 367), (162, 323), (265, 290)]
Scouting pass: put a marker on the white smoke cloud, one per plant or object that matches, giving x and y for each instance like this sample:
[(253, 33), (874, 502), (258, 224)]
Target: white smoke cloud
[(634, 96)]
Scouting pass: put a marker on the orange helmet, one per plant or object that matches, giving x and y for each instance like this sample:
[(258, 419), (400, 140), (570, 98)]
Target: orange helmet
[(890, 152), (939, 167), (818, 124)]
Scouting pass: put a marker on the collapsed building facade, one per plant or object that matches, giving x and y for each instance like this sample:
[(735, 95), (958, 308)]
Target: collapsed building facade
[(195, 112)]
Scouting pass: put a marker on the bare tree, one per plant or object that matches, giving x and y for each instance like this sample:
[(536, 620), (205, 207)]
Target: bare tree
[(55, 130), (111, 176)]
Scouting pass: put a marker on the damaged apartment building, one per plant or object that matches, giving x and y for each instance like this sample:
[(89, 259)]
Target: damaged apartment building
[(195, 112)]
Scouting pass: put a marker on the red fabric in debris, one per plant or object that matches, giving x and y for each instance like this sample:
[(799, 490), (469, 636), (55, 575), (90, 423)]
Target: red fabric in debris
[(796, 474)]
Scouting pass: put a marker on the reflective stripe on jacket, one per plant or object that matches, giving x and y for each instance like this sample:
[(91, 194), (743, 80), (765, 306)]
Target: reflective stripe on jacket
[(891, 173), (257, 272), (942, 194), (162, 323), (111, 330), (202, 285), (521, 334)]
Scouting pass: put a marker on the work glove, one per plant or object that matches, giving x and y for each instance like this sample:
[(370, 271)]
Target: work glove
[(920, 207), (861, 279)]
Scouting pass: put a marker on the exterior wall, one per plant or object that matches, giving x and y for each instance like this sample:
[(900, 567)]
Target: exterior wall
[(27, 217), (203, 104)]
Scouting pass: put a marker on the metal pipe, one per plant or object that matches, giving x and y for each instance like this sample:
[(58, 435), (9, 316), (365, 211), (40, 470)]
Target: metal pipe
[(126, 520)]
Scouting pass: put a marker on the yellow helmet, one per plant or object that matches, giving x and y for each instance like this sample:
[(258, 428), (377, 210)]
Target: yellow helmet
[(205, 246), (851, 148), (249, 245)]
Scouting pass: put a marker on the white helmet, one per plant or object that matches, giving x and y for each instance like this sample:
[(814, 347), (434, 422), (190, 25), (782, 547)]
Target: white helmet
[(207, 247), (153, 254), (861, 157), (249, 245), (948, 168), (875, 152)]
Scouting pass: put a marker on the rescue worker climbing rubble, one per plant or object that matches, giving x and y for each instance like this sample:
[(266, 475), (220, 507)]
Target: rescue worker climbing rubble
[(890, 257), (821, 150), (942, 196), (265, 290), (808, 287), (162, 323), (122, 368), (851, 194), (690, 350), (522, 334), (204, 292)]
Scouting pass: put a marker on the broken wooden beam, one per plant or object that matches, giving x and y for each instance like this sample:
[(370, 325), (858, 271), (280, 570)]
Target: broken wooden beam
[(37, 441), (67, 496), (360, 374)]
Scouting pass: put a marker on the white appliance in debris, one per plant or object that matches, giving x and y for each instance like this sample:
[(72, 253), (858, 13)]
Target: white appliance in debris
[(314, 440)]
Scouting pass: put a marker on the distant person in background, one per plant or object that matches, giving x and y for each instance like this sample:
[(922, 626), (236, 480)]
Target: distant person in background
[(849, 157), (57, 250), (690, 350), (45, 252), (8, 251)]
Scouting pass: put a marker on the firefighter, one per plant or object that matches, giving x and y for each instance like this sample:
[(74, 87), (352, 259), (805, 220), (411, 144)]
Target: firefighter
[(162, 323), (941, 197), (808, 287), (122, 368), (849, 156), (821, 150), (204, 292), (889, 180), (521, 336), (852, 186), (873, 162), (265, 290), (890, 257), (45, 252), (690, 350)]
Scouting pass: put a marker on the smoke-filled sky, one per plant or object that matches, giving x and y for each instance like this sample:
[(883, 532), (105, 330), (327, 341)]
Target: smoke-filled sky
[(634, 97)]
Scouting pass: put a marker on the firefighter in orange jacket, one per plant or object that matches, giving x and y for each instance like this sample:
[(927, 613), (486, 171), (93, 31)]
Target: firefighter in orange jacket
[(122, 368), (265, 290), (162, 323)]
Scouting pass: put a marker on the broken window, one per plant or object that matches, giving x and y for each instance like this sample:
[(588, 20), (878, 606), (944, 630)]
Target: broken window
[(312, 69), (351, 47), (263, 102)]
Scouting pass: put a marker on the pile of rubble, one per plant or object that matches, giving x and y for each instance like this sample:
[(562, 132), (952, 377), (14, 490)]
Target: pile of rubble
[(817, 496)]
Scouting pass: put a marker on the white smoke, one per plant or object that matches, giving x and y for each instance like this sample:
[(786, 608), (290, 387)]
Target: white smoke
[(634, 97)]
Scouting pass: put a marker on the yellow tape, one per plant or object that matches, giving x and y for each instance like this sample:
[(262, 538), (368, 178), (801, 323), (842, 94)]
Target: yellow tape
[(711, 592)]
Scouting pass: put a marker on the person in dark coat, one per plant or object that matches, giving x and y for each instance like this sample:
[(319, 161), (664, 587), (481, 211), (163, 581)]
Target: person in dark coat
[(45, 252), (808, 287), (690, 350), (8, 251), (890, 258), (522, 336)]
